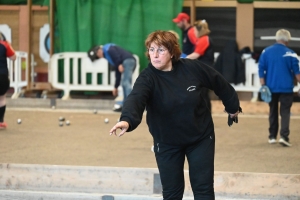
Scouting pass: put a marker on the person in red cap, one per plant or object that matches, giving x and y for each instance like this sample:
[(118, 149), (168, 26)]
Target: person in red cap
[(189, 38)]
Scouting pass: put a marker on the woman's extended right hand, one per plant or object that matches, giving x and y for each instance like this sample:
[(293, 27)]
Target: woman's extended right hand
[(123, 125)]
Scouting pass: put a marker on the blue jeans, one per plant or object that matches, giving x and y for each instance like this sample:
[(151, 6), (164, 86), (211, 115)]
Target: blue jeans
[(129, 67)]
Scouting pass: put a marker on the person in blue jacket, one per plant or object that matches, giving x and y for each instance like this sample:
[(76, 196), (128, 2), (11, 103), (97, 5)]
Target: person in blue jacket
[(170, 90), (278, 66), (123, 63)]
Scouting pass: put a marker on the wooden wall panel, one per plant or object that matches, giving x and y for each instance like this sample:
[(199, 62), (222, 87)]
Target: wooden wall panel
[(244, 14), (17, 18), (244, 25), (39, 18), (11, 18)]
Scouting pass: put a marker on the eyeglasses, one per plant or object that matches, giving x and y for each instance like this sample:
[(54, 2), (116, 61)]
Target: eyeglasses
[(160, 51)]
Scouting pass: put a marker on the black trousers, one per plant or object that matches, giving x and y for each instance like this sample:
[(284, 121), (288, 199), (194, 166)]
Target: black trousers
[(286, 101), (4, 84), (170, 161)]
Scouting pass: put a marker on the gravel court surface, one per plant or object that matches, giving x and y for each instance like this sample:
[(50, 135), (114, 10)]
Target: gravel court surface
[(86, 142)]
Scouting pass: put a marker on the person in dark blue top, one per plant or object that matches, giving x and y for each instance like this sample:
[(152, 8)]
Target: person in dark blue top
[(278, 65), (123, 63), (6, 51)]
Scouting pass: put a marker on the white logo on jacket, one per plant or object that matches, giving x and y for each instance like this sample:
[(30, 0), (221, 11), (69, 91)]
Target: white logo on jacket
[(294, 55), (191, 88), (290, 54)]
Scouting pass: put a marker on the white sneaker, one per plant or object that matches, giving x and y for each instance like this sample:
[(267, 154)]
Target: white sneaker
[(284, 142), (272, 141)]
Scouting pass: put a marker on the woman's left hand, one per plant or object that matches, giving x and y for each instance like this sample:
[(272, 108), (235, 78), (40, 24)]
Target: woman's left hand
[(235, 114), (233, 117)]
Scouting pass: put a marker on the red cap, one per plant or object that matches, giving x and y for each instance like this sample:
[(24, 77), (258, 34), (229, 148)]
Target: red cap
[(180, 17)]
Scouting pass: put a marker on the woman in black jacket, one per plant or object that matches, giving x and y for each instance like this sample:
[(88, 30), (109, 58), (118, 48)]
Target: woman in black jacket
[(178, 118)]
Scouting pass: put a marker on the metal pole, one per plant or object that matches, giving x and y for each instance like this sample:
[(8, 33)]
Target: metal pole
[(193, 12), (52, 26), (29, 14)]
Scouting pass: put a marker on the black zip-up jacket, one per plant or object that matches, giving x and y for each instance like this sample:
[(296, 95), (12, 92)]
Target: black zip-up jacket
[(176, 111)]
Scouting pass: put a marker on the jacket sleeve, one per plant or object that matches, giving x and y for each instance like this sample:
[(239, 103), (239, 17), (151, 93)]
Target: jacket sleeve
[(296, 64), (135, 103), (213, 80), (115, 57), (118, 77), (261, 65)]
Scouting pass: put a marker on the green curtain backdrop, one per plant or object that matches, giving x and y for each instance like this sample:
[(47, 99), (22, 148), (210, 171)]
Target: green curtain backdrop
[(84, 23)]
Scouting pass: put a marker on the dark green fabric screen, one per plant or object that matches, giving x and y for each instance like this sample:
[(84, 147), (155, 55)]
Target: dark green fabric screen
[(84, 23)]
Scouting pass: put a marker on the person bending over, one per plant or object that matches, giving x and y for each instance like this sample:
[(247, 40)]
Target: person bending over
[(123, 62)]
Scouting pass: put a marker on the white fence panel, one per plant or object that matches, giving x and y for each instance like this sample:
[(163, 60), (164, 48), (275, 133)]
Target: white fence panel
[(18, 72), (79, 80), (100, 66), (15, 72), (252, 83)]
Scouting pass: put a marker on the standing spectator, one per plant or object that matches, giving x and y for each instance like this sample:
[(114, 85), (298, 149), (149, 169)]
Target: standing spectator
[(123, 62), (278, 65), (6, 51), (177, 116), (204, 51), (189, 38)]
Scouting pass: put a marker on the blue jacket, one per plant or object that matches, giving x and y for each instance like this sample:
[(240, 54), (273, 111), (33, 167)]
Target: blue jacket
[(115, 55), (278, 65)]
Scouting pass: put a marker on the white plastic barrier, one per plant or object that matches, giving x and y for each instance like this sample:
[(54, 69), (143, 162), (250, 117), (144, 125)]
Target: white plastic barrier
[(101, 66), (75, 80), (17, 79), (252, 83)]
